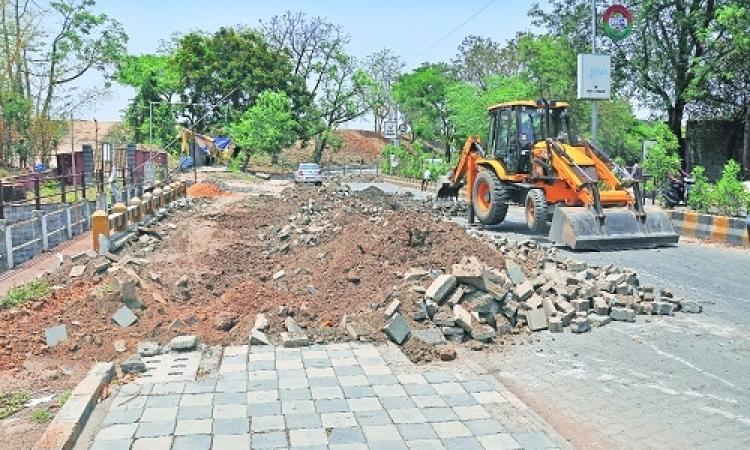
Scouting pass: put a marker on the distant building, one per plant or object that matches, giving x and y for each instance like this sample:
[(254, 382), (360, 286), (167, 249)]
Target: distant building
[(84, 132)]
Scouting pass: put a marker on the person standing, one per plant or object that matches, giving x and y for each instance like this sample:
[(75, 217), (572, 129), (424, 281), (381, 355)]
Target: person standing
[(426, 175)]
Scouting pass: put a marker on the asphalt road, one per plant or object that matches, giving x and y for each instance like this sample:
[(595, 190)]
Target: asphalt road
[(671, 382)]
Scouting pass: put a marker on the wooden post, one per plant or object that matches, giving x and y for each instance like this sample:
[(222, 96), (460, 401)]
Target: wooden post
[(2, 200), (83, 183), (37, 193), (62, 190)]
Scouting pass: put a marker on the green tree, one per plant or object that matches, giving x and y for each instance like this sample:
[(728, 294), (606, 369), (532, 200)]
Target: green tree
[(479, 58), (383, 67), (422, 96), (662, 159), (267, 126)]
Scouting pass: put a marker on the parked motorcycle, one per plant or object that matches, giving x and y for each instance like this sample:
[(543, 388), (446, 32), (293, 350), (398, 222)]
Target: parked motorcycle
[(677, 191)]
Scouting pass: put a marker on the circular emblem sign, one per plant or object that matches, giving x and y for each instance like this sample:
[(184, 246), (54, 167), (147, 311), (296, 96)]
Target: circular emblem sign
[(617, 22)]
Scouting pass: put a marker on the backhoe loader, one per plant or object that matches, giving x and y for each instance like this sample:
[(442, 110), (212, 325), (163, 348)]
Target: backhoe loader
[(533, 159)]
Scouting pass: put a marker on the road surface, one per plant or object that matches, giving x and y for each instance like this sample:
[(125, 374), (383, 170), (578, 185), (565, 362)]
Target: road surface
[(672, 382)]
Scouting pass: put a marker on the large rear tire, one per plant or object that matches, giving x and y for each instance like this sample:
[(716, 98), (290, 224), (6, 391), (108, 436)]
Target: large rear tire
[(536, 211), (489, 198)]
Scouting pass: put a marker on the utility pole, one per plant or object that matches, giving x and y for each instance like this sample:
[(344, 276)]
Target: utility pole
[(593, 51), (73, 156)]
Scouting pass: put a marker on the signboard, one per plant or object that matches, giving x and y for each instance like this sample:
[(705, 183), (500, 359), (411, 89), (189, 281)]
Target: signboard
[(594, 77), (390, 129), (617, 22)]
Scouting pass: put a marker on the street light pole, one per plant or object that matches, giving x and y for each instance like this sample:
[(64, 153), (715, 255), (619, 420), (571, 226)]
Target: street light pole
[(593, 51)]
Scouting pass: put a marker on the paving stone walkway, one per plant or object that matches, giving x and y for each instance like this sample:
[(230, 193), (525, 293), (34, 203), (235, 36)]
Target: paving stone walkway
[(339, 396)]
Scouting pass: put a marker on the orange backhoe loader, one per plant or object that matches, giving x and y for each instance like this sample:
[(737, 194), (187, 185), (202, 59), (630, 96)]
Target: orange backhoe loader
[(533, 159)]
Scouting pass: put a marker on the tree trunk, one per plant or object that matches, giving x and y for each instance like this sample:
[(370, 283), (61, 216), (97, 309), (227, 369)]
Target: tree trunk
[(675, 114), (447, 152), (746, 144), (319, 146)]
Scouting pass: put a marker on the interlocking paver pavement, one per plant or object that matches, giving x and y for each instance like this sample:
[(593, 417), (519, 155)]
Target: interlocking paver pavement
[(340, 396)]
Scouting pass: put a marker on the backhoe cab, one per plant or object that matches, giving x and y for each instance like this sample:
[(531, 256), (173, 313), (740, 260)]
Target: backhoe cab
[(534, 158)]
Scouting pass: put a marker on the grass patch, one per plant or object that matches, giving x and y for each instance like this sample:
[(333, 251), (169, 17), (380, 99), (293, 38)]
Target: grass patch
[(30, 291), (12, 402), (41, 416), (63, 398)]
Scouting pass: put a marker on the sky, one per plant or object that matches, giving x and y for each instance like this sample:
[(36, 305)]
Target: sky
[(418, 30)]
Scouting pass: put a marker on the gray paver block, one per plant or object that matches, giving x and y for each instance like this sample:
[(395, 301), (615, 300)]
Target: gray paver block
[(622, 314), (230, 411), (438, 376), (462, 443), (419, 389), (308, 437), (55, 334), (417, 431), (115, 432), (122, 416), (294, 421), (534, 439), (452, 429), (364, 404), (349, 435), (193, 426), (162, 401), (155, 429), (375, 433), (118, 444), (323, 382), (274, 439), (376, 380), (439, 414), (387, 445), (231, 441), (499, 441), (124, 317), (331, 405), (400, 402), (397, 329), (159, 414), (154, 443), (261, 424), (358, 391), (194, 412), (194, 442), (294, 394), (264, 409), (484, 427), (231, 426), (375, 417), (199, 387), (297, 407), (409, 415)]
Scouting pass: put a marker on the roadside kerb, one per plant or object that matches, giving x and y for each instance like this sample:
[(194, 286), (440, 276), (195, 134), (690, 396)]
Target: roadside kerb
[(63, 431), (723, 229)]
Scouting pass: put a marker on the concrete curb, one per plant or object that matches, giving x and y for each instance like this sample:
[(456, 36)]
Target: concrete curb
[(68, 423), (723, 229)]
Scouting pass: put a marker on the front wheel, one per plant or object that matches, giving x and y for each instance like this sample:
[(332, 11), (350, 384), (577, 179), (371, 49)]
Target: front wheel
[(489, 198), (536, 211)]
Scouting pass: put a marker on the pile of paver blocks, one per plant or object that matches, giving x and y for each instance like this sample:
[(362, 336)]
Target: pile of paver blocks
[(478, 302)]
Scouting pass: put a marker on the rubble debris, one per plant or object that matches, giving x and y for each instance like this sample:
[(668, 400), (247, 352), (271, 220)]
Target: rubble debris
[(149, 348), (133, 364), (392, 308), (225, 321), (258, 337), (77, 271), (120, 345), (183, 343), (55, 334), (447, 353), (431, 336), (261, 322), (278, 275), (397, 329), (293, 340), (440, 288), (579, 325), (124, 317), (622, 314)]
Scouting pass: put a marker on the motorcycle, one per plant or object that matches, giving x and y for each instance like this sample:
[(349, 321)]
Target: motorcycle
[(677, 191)]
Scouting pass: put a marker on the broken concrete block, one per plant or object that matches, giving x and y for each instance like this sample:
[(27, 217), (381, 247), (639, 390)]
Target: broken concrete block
[(149, 348), (601, 306), (549, 307), (502, 325), (482, 332), (432, 336), (124, 317), (463, 318), (524, 290), (576, 266), (533, 302), (622, 314), (580, 325), (292, 326), (470, 271), (443, 318), (515, 273), (261, 322), (77, 271), (391, 309), (441, 288), (510, 308), (662, 308), (452, 331), (120, 345), (455, 297), (555, 324), (447, 353), (415, 274), (182, 343), (419, 310), (690, 306), (55, 334), (294, 340), (258, 337), (643, 308), (182, 282), (101, 265), (278, 275), (397, 329), (431, 307), (133, 364), (599, 320), (536, 319), (482, 303), (581, 305)]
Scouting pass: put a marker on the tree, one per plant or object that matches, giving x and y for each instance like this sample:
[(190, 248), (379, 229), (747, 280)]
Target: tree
[(266, 127), (549, 63), (422, 97), (223, 73), (383, 67), (479, 58)]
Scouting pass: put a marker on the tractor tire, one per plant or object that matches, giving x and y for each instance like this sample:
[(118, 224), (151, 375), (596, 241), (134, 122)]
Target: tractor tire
[(536, 211), (489, 198)]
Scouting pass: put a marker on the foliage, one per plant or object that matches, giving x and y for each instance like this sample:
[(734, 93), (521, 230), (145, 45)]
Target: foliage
[(267, 126), (701, 192), (41, 415), (383, 67), (662, 159), (411, 164), (30, 291), (64, 396), (729, 195), (422, 96), (12, 402), (549, 63), (479, 58), (236, 164), (120, 135)]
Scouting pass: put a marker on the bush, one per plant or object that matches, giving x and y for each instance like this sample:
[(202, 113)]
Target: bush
[(662, 158), (12, 402), (701, 192), (41, 416), (411, 164), (729, 194), (19, 295)]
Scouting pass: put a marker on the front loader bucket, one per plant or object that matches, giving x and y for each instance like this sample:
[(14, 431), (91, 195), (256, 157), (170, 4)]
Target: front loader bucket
[(580, 229)]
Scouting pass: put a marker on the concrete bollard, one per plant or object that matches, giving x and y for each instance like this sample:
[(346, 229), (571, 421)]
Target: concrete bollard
[(147, 204), (136, 213), (121, 220), (167, 195), (157, 193), (99, 226)]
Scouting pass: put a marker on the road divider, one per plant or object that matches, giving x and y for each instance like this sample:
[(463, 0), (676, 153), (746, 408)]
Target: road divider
[(722, 229)]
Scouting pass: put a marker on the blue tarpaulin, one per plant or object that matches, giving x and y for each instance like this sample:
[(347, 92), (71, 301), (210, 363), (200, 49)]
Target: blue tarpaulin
[(222, 142), (186, 162)]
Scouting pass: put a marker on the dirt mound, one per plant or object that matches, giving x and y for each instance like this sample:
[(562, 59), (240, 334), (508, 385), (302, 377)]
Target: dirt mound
[(204, 190)]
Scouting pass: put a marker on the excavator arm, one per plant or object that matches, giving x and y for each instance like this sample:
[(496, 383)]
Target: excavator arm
[(465, 172)]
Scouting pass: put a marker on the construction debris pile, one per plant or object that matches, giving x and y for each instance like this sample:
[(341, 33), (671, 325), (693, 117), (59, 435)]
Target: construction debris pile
[(475, 302)]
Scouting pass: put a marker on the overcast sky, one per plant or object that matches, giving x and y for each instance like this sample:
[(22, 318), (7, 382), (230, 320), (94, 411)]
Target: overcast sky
[(417, 30)]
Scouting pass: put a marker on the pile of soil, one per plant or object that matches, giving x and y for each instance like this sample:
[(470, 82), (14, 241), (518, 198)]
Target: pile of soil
[(205, 190)]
